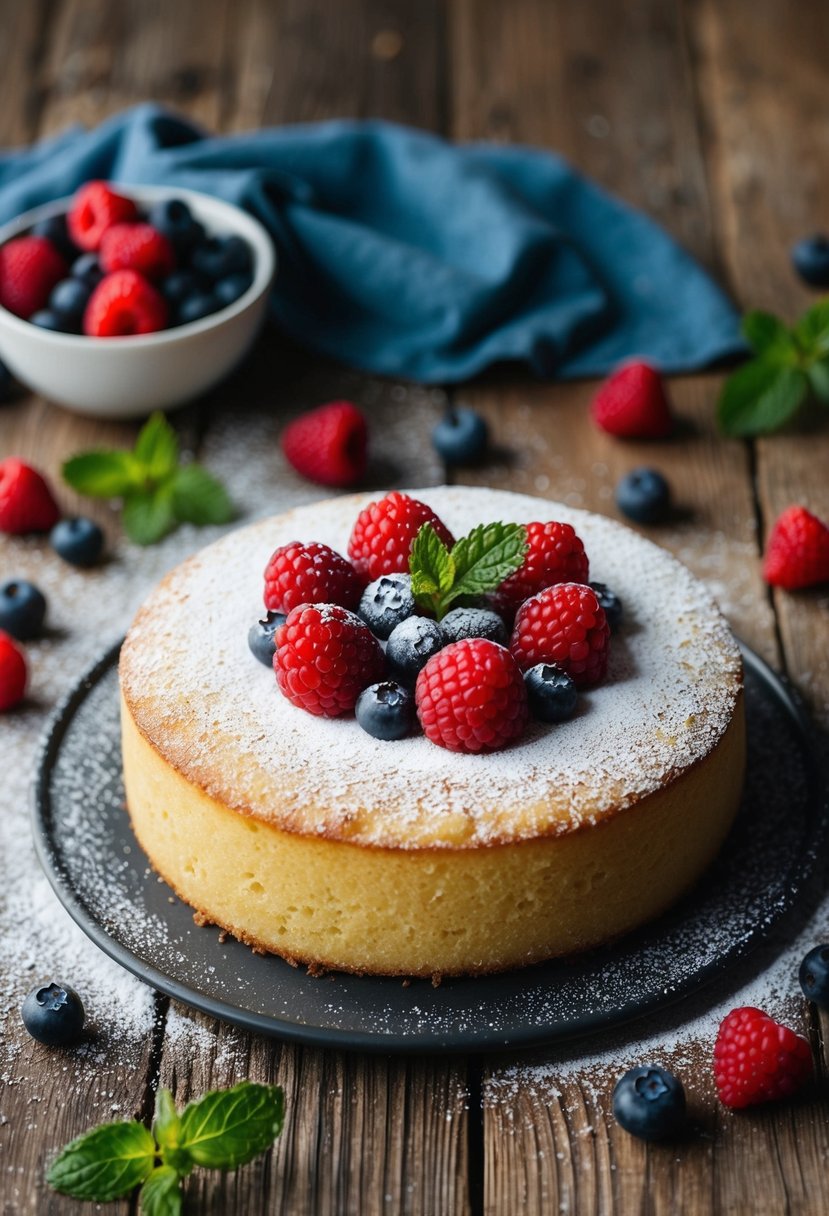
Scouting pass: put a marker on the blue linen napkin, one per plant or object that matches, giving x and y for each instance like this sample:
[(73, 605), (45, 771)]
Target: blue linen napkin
[(402, 254)]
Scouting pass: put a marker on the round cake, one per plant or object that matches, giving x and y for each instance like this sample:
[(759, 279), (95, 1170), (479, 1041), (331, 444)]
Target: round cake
[(307, 837)]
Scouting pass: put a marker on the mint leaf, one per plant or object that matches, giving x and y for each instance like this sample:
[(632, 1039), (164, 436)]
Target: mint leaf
[(431, 567), (485, 557), (769, 336), (199, 498), (812, 331), (161, 1193), (104, 1163), (147, 517), (156, 448), (760, 397), (818, 375), (230, 1127), (102, 474)]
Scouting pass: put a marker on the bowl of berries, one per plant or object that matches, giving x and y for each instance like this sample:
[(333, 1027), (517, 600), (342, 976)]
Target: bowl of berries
[(123, 300)]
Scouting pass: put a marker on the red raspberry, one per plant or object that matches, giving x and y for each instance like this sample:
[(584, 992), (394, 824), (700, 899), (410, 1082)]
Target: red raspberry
[(555, 555), (471, 697), (632, 404), (328, 445), (137, 247), (758, 1060), (310, 574), (12, 673), (26, 502), (382, 537), (124, 303), (564, 625), (30, 266), (95, 209), (325, 657), (797, 553)]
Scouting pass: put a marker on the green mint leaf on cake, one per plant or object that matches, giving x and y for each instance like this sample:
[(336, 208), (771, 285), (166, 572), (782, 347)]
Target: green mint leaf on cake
[(105, 1163), (230, 1127), (476, 564), (161, 1193), (199, 498)]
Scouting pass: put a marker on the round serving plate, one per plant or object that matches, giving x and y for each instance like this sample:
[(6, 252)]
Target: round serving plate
[(770, 865)]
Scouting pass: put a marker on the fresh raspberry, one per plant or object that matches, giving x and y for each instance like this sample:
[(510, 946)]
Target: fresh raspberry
[(312, 573), (382, 537), (797, 553), (30, 266), (137, 247), (758, 1060), (471, 697), (26, 502), (632, 403), (564, 625), (12, 673), (95, 209), (124, 303), (555, 555), (325, 657), (329, 444)]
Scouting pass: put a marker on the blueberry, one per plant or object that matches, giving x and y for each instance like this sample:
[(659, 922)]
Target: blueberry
[(473, 623), (410, 646), (649, 1102), (385, 711), (6, 383), (230, 289), (261, 637), (221, 256), (68, 300), (461, 436), (179, 285), (611, 603), (87, 269), (55, 230), (194, 307), (386, 602), (551, 693), (44, 318), (814, 976), (810, 258), (22, 609), (173, 218), (53, 1014), (643, 496), (78, 541)]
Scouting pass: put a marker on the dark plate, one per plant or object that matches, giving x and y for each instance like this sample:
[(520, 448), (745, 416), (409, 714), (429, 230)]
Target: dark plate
[(769, 864)]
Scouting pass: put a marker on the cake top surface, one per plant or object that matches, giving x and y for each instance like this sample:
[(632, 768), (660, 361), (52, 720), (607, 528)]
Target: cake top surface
[(215, 713)]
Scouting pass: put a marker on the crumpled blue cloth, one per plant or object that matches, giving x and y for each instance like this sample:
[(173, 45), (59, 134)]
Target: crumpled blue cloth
[(403, 254)]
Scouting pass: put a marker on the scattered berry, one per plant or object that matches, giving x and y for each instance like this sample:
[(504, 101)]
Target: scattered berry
[(810, 258), (385, 711), (95, 209), (30, 266), (325, 657), (87, 270), (26, 502), (649, 1102), (221, 256), (758, 1060), (461, 436), (551, 693), (410, 646), (609, 600), (643, 496), (382, 537), (261, 637), (473, 623), (814, 976), (386, 602), (632, 403), (329, 444), (124, 303), (13, 673), (797, 552), (6, 383), (471, 697), (68, 301), (312, 573), (22, 609), (565, 626), (53, 1014), (78, 541), (555, 554), (137, 247)]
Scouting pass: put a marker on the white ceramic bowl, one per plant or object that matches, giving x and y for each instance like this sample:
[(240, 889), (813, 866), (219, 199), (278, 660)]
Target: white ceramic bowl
[(130, 377)]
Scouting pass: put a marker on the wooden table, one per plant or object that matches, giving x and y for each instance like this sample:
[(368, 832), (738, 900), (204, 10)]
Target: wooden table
[(711, 115)]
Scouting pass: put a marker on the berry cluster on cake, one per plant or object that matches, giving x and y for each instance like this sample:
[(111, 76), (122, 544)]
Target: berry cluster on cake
[(453, 771)]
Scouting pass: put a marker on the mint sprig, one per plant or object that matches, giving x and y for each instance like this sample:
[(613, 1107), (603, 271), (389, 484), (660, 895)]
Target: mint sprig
[(223, 1130), (477, 563), (791, 366), (157, 492)]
